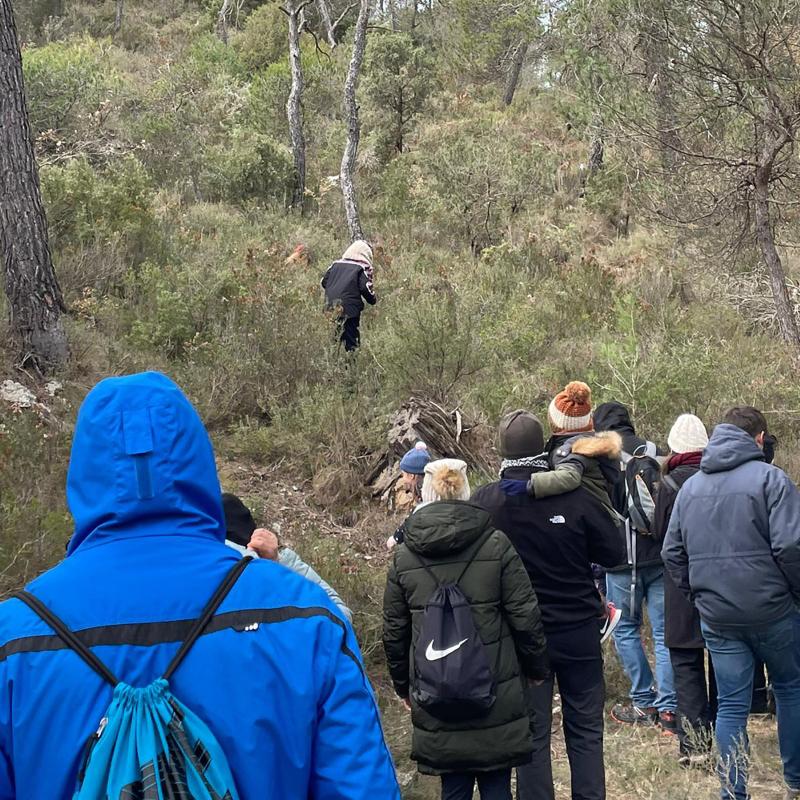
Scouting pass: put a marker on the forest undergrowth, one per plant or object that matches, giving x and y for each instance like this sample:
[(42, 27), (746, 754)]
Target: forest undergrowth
[(503, 271)]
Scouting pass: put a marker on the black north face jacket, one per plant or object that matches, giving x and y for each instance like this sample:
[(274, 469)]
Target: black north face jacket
[(506, 616)]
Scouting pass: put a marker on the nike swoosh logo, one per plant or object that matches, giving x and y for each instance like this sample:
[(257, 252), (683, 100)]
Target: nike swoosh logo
[(432, 654)]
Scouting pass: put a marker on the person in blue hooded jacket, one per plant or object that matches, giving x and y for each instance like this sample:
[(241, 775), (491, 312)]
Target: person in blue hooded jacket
[(733, 548), (277, 676)]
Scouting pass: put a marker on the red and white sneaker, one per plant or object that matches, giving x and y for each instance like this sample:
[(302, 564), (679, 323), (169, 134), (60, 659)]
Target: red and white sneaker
[(613, 616)]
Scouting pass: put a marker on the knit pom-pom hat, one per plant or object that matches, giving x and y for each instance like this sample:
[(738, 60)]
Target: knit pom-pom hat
[(445, 479), (570, 410), (416, 459)]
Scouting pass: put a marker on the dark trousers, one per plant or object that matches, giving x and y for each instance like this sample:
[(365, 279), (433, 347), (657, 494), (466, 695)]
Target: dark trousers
[(697, 698), (349, 333), (492, 785), (577, 663)]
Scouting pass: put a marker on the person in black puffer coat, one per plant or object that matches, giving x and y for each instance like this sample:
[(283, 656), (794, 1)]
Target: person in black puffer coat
[(697, 694), (347, 284), (444, 539)]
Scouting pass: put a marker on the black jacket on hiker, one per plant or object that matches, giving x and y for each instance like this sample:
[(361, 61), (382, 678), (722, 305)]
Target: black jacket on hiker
[(614, 416), (446, 534), (681, 620), (346, 284), (558, 539), (733, 542)]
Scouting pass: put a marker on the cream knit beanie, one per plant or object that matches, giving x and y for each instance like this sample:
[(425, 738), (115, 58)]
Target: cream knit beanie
[(688, 435)]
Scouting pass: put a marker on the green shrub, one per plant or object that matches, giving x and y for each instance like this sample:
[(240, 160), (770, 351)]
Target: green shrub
[(68, 87), (248, 166), (264, 38), (86, 205)]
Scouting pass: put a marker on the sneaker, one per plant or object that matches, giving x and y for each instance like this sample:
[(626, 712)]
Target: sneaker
[(634, 715), (668, 722), (701, 761), (613, 616)]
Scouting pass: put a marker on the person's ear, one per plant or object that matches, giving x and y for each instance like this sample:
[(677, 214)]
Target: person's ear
[(760, 439)]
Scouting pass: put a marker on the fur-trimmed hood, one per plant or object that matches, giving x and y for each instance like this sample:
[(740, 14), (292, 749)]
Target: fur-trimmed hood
[(607, 444)]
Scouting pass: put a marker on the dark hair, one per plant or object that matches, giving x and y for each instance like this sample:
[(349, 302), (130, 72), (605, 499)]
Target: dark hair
[(749, 419)]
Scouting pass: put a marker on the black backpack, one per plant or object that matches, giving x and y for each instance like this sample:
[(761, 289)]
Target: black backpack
[(642, 476), (452, 677)]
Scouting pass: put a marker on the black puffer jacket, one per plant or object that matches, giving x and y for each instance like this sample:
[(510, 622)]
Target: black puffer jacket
[(506, 616), (346, 284), (681, 620), (614, 416)]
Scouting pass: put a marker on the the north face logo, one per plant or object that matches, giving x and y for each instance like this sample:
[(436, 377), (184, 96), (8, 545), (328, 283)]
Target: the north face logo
[(558, 520)]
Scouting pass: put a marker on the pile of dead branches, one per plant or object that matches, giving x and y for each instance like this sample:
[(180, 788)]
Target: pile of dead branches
[(446, 433)]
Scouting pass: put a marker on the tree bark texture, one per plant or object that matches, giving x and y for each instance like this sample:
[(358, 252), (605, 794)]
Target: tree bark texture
[(118, 16), (656, 64), (325, 14), (294, 107), (346, 174), (787, 322), (35, 301), (222, 21), (512, 81)]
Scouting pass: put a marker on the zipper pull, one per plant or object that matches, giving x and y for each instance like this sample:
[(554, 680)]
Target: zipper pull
[(101, 728)]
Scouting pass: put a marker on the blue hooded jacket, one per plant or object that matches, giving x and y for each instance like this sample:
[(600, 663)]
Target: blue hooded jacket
[(733, 542), (278, 676)]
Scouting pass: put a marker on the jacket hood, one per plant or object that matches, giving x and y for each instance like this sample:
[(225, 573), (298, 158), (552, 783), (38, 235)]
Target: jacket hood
[(613, 416), (607, 444), (445, 527), (141, 464), (728, 448)]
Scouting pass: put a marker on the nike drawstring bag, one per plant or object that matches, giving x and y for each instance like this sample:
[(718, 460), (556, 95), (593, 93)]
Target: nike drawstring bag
[(452, 677)]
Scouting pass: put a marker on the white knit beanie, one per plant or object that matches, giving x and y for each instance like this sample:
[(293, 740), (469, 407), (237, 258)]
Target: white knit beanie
[(445, 479), (359, 251), (688, 435)]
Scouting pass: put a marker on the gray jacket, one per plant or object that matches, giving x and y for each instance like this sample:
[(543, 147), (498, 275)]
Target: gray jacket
[(733, 543)]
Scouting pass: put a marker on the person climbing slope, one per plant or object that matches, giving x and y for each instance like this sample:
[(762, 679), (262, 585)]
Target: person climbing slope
[(464, 690), (276, 676), (347, 284)]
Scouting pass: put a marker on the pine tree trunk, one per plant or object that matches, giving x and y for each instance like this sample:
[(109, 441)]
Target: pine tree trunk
[(512, 81), (294, 109), (346, 178), (787, 323), (118, 16), (34, 297)]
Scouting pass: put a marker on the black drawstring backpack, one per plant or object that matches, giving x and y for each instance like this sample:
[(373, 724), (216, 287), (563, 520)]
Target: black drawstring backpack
[(452, 677)]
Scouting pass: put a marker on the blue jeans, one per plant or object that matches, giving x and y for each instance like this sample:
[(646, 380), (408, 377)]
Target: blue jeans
[(734, 652), (628, 636)]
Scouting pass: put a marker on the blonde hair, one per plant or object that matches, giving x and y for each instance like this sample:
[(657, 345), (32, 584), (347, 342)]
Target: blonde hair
[(445, 479)]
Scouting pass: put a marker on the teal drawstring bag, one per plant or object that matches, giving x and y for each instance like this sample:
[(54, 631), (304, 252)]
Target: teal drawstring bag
[(149, 746)]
